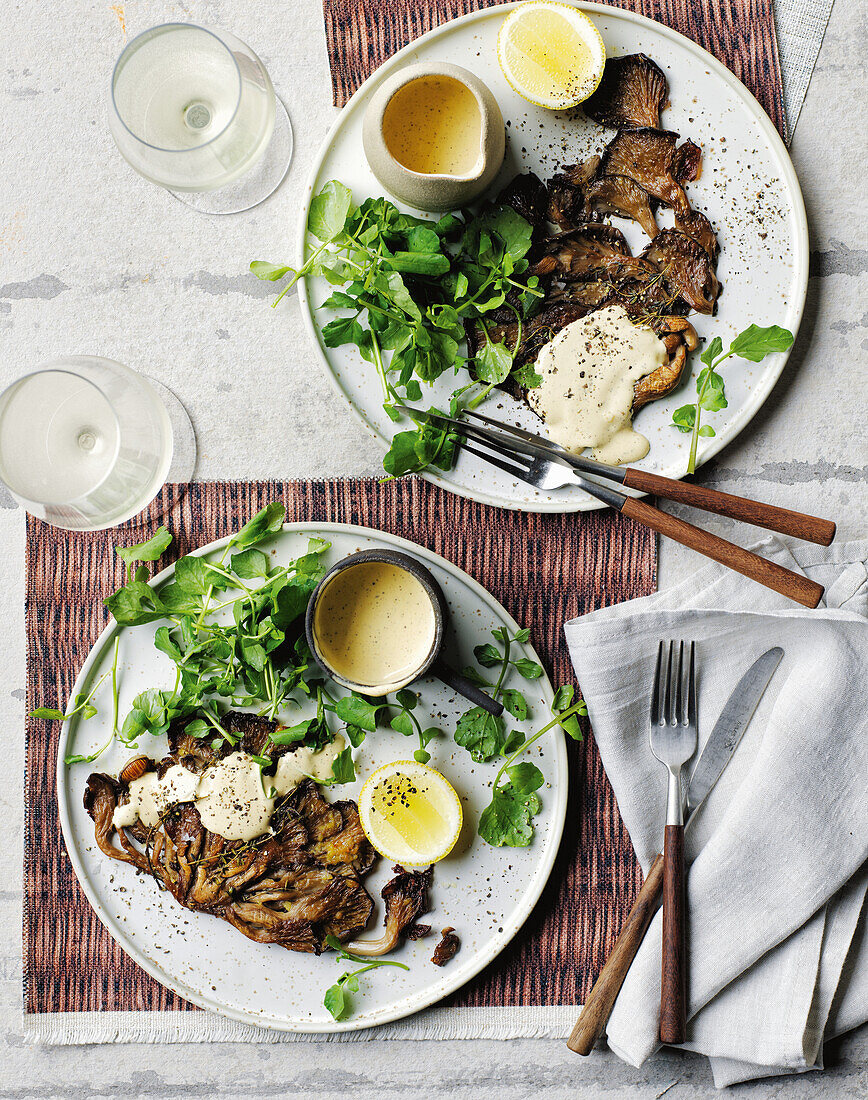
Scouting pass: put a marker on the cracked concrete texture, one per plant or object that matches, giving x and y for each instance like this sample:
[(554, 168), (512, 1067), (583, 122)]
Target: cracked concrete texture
[(95, 259)]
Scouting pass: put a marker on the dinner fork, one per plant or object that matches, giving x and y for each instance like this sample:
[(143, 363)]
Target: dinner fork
[(545, 465), (673, 742)]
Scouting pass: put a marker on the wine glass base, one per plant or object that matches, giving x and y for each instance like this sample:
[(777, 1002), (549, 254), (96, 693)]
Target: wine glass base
[(182, 466), (254, 186)]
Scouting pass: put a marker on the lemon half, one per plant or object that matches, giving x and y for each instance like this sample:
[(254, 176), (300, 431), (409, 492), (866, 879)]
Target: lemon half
[(551, 54), (410, 813)]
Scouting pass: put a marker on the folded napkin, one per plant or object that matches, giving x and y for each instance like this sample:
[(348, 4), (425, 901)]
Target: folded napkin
[(777, 945)]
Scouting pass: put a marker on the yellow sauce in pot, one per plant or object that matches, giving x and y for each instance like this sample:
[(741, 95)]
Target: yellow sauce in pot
[(374, 625)]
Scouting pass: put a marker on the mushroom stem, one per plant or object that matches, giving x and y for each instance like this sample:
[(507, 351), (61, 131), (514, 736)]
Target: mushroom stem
[(386, 943)]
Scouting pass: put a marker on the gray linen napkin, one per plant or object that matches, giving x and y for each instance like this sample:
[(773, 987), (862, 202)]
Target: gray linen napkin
[(778, 958)]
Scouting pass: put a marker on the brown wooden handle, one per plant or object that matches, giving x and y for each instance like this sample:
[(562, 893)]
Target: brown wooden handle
[(774, 576), (800, 526), (673, 1009), (592, 1019)]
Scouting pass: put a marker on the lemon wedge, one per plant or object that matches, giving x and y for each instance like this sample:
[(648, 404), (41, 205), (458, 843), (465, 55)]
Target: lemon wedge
[(551, 54), (410, 813)]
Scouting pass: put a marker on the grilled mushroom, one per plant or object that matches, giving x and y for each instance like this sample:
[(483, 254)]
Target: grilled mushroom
[(591, 295), (687, 163), (566, 203), (588, 252), (293, 886), (406, 898), (633, 92), (697, 226), (527, 195), (659, 382), (686, 268), (446, 948), (581, 174), (620, 195), (647, 156), (566, 193)]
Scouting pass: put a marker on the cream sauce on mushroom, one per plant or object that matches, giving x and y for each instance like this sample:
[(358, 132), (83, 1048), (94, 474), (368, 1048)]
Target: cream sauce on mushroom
[(293, 767), (234, 799), (588, 373)]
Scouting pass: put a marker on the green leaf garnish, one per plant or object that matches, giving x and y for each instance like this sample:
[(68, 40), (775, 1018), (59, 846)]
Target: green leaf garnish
[(754, 344)]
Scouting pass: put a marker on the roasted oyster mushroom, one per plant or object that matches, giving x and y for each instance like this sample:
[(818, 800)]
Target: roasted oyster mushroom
[(622, 196), (697, 226), (447, 947), (686, 268), (293, 886), (632, 92), (591, 295), (581, 174), (406, 898), (527, 195), (647, 156), (566, 194), (661, 381), (679, 336), (687, 162), (589, 252), (566, 203)]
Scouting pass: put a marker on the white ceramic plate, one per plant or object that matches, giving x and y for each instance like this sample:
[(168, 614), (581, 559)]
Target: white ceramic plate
[(748, 189), (485, 893)]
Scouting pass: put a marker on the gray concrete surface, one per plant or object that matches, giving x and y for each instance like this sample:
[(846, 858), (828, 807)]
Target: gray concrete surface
[(95, 260)]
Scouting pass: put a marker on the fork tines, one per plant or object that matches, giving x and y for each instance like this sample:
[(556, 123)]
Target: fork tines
[(677, 711)]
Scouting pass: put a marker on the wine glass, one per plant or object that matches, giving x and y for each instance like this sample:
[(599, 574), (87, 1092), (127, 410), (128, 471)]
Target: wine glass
[(193, 109), (87, 443)]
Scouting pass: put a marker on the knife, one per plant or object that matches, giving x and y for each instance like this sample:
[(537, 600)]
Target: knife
[(715, 755)]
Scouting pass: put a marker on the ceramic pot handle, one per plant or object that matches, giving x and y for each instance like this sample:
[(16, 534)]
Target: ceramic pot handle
[(466, 688)]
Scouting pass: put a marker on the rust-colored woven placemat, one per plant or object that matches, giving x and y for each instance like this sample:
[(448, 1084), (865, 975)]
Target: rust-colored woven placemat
[(544, 568), (362, 34)]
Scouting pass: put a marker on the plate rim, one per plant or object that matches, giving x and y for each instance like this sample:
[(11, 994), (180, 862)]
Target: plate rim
[(801, 245), (514, 922)]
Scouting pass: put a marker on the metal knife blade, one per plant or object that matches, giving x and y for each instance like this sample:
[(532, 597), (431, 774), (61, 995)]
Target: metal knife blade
[(728, 729)]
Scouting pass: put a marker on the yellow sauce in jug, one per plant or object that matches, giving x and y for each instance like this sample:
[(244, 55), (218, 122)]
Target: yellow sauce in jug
[(433, 125)]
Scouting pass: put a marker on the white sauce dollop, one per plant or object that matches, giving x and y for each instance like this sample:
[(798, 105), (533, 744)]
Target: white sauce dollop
[(588, 373), (229, 796)]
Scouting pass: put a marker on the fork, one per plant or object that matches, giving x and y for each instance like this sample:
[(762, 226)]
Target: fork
[(673, 742), (545, 465)]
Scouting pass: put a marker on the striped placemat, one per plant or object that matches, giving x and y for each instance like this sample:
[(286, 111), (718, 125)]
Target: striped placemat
[(544, 568), (361, 34)]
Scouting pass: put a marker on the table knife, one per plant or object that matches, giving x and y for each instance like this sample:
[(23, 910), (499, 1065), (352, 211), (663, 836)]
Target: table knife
[(715, 755)]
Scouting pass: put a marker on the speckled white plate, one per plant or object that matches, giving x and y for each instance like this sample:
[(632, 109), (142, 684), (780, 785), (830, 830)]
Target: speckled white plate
[(485, 893), (748, 189)]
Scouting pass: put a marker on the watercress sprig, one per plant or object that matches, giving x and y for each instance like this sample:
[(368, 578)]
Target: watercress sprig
[(507, 820), (754, 344), (336, 999), (407, 287), (483, 734), (405, 722)]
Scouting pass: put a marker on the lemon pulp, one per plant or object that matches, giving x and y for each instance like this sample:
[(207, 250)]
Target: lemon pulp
[(407, 813), (410, 812), (552, 55)]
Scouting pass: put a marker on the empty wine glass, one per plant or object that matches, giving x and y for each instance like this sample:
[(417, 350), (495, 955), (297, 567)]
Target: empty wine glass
[(87, 443), (193, 109)]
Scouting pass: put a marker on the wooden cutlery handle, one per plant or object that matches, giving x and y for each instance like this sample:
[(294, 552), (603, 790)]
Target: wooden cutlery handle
[(592, 1019), (774, 576), (800, 526), (673, 1009)]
